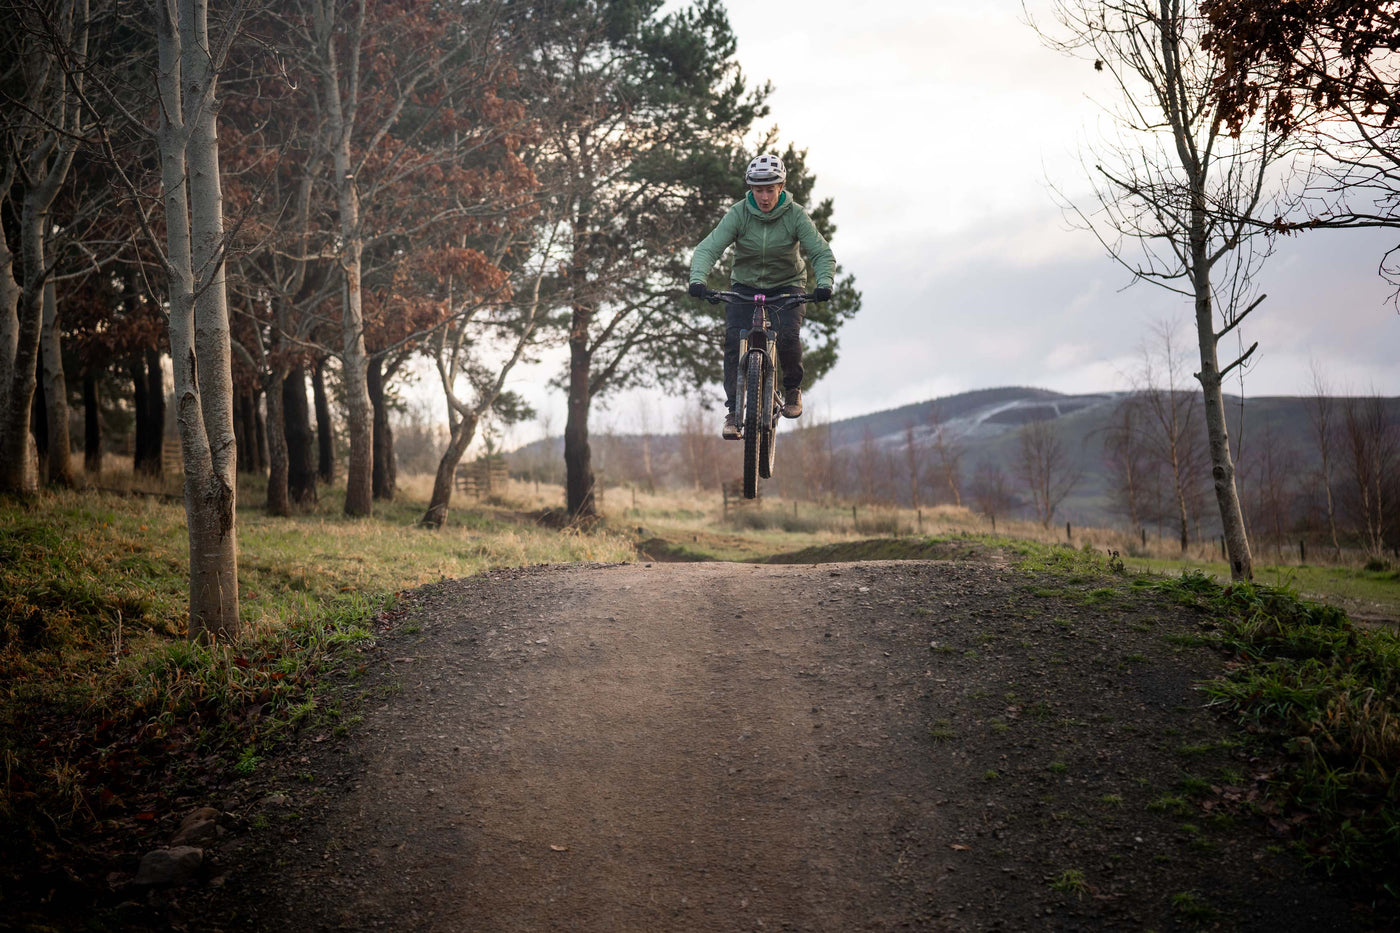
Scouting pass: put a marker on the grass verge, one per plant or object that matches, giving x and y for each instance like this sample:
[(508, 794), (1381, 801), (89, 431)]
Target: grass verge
[(110, 719), (1328, 693)]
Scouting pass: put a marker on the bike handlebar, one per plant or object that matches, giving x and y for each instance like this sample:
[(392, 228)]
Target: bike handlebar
[(714, 298)]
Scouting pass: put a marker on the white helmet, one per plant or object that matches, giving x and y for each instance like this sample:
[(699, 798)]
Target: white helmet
[(767, 169)]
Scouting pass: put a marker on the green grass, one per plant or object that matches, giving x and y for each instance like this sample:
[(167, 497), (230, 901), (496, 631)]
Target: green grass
[(1192, 908), (1329, 693), (1353, 588), (1169, 803), (942, 731), (106, 709), (1071, 881)]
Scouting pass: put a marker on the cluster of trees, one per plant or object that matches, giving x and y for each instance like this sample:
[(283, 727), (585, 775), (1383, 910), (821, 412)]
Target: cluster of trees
[(327, 190)]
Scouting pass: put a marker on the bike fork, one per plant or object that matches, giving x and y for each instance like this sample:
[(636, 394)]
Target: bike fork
[(741, 386)]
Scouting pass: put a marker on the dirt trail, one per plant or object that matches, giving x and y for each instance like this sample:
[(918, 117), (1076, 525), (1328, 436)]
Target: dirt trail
[(732, 747)]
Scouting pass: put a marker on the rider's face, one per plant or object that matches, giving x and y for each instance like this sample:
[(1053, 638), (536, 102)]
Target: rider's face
[(766, 196)]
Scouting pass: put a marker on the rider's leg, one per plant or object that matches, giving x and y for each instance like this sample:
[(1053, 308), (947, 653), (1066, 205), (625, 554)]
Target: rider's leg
[(790, 358)]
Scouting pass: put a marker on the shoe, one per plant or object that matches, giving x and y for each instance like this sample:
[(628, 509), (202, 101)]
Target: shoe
[(731, 429), (792, 403)]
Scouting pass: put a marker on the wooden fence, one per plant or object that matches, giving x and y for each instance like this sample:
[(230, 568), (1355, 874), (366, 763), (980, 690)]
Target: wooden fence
[(484, 476), (733, 491)]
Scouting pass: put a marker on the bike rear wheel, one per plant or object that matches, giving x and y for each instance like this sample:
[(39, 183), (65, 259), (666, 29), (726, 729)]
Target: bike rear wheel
[(753, 387), (768, 428)]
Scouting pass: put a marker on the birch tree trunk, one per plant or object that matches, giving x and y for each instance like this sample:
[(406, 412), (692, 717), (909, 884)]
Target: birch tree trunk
[(341, 114), (199, 327), (60, 462)]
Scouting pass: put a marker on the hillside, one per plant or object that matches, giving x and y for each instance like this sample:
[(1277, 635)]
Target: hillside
[(1273, 437)]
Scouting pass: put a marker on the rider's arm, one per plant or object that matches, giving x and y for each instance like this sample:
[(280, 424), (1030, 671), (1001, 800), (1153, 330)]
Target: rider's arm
[(713, 246), (818, 252)]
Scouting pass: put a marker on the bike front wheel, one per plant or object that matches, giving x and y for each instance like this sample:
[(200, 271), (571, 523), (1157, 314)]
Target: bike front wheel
[(753, 420)]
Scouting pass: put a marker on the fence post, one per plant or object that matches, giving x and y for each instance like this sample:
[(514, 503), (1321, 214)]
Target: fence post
[(1068, 536), (724, 489), (794, 508), (1144, 536), (1222, 548), (1302, 551), (853, 515), (920, 518)]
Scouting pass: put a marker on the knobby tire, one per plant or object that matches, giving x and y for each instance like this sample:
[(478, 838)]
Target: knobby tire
[(753, 388)]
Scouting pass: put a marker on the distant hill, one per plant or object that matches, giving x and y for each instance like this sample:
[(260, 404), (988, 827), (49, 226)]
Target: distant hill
[(984, 424)]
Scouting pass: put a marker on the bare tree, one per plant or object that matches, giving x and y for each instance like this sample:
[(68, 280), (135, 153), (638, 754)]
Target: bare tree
[(1178, 198), (453, 354), (812, 443), (1322, 417), (700, 446), (1045, 469), (1271, 464), (1126, 458), (911, 464), (1371, 444), (991, 492), (1171, 428), (645, 414), (949, 451), (870, 477)]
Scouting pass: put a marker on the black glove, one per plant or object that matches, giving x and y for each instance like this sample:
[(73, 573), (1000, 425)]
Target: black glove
[(821, 293), (697, 290)]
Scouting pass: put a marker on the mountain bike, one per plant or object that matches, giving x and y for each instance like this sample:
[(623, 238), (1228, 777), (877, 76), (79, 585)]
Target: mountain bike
[(758, 399)]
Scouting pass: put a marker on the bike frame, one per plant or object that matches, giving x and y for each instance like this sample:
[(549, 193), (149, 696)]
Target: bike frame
[(758, 345), (765, 343)]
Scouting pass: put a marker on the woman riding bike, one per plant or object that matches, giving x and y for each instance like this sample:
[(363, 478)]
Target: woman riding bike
[(765, 228)]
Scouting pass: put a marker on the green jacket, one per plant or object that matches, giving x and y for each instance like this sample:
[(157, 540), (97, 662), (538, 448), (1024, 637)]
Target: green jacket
[(765, 246)]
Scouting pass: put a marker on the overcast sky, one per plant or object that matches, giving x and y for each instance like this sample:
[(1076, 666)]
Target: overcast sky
[(937, 127)]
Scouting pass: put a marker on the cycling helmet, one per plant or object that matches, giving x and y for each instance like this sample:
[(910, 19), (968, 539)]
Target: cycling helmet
[(767, 169)]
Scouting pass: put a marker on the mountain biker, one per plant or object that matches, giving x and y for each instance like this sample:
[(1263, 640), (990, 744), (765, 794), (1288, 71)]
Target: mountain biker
[(765, 228)]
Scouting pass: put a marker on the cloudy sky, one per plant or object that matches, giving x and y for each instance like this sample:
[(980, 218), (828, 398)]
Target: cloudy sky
[(938, 127)]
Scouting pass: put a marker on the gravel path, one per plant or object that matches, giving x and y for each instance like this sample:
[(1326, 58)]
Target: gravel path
[(716, 747)]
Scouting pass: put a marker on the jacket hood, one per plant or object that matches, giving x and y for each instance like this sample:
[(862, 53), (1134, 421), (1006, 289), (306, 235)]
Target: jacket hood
[(779, 209)]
